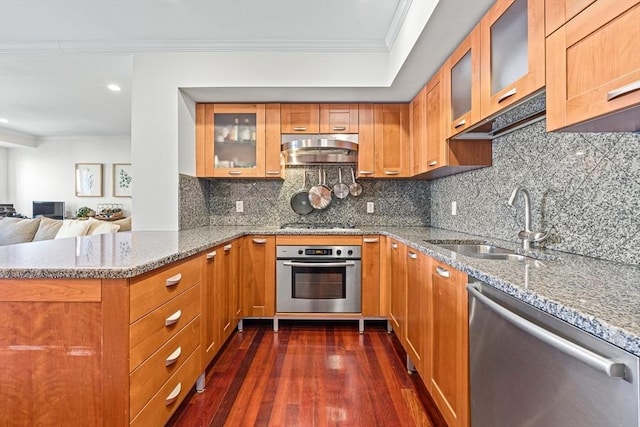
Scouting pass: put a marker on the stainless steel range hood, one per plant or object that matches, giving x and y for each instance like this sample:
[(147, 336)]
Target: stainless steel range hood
[(318, 149)]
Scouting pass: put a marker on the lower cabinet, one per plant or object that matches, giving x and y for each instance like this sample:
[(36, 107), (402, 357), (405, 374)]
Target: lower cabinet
[(258, 276), (418, 309), (371, 263), (397, 287)]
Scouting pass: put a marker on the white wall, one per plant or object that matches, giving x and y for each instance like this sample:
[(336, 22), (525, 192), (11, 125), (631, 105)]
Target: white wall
[(4, 176), (48, 171)]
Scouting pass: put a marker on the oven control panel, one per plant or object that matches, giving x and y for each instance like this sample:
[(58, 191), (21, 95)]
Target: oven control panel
[(318, 252)]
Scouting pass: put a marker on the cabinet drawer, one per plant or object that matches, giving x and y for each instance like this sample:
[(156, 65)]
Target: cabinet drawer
[(171, 394), (149, 333), (155, 289), (145, 381)]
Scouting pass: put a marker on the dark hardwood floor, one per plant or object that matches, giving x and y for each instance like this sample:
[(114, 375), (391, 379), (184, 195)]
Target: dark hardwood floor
[(310, 374)]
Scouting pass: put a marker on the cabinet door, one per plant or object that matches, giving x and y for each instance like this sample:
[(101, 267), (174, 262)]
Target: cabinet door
[(223, 313), (235, 282), (449, 382), (558, 12), (234, 140), (300, 118), (417, 308), (273, 164), (258, 272), (338, 118), (436, 144), (593, 63), (397, 287), (462, 85), (418, 126), (512, 48), (366, 141), (210, 302), (371, 275), (392, 142)]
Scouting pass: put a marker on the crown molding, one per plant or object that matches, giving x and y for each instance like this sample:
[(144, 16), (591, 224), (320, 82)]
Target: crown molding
[(396, 22)]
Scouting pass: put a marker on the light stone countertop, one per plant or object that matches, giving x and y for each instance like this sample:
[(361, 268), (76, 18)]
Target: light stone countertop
[(600, 297)]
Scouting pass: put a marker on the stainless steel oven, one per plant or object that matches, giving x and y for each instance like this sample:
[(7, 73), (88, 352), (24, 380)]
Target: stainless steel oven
[(318, 279)]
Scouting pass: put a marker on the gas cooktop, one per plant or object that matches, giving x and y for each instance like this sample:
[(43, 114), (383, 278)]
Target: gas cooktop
[(318, 226)]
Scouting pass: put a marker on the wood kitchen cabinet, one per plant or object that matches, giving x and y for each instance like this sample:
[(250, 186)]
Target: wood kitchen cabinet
[(392, 144), (300, 118), (339, 118), (448, 349), (558, 12), (418, 309), (462, 85), (512, 53), (418, 132), (397, 256), (366, 142), (258, 276), (212, 295), (235, 141), (593, 69), (319, 118), (371, 275)]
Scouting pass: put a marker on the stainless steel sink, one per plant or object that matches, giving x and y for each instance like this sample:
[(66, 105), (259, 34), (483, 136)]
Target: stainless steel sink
[(483, 251)]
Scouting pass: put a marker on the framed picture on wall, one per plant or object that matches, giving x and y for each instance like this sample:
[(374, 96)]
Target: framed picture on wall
[(89, 179), (122, 180)]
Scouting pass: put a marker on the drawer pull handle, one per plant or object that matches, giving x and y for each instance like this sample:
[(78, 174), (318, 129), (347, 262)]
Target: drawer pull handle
[(227, 248), (433, 163), (339, 128), (391, 172), (508, 95), (235, 172), (460, 123), (370, 240), (413, 255), (259, 241), (300, 129), (173, 319), (211, 255), (442, 272), (173, 280), (173, 395), (616, 93), (394, 246), (366, 172), (273, 172), (173, 357)]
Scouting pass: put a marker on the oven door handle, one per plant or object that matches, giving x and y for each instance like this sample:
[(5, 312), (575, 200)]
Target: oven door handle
[(319, 264)]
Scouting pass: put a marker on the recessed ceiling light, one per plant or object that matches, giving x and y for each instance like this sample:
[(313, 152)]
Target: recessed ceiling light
[(114, 88), (3, 120)]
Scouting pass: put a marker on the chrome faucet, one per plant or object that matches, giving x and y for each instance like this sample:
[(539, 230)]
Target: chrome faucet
[(527, 235)]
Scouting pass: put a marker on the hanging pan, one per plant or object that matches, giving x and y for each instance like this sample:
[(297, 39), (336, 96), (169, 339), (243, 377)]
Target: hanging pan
[(354, 188), (320, 195), (300, 200), (341, 190)]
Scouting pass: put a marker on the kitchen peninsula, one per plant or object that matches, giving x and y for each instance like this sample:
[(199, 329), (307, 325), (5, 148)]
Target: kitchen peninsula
[(75, 302)]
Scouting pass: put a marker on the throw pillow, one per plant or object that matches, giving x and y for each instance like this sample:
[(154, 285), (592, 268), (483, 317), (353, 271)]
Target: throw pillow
[(101, 227), (124, 223), (18, 230), (72, 228), (48, 229)]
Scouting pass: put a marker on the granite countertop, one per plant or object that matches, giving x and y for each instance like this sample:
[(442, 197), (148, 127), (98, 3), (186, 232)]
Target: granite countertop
[(600, 297)]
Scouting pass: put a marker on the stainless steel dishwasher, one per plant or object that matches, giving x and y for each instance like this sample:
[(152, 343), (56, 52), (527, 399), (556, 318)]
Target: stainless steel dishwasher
[(530, 369)]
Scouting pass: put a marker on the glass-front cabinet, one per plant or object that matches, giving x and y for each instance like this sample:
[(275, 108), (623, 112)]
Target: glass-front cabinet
[(512, 48), (231, 141)]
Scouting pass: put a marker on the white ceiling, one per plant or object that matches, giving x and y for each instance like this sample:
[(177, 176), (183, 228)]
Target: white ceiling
[(57, 57)]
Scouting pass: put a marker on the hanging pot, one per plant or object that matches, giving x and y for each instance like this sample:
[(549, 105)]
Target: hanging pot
[(300, 200), (320, 195), (341, 190), (354, 188)]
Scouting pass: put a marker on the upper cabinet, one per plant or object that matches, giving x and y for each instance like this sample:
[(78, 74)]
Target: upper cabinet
[(391, 140), (512, 53), (338, 118), (558, 12), (418, 128), (462, 79), (231, 141), (300, 118), (593, 68)]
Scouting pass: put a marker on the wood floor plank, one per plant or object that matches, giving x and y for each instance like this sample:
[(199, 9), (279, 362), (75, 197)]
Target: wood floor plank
[(309, 374)]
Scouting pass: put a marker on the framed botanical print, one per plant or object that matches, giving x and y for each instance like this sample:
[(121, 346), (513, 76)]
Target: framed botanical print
[(122, 180), (89, 179)]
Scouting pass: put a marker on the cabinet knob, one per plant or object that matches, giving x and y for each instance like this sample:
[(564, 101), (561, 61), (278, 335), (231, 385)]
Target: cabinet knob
[(235, 172), (366, 172), (339, 128), (433, 163), (299, 129), (413, 255), (173, 395), (211, 255), (273, 172), (259, 241), (173, 357), (227, 248), (443, 272), (616, 93), (370, 240), (508, 94), (460, 123), (173, 319), (394, 246), (391, 172)]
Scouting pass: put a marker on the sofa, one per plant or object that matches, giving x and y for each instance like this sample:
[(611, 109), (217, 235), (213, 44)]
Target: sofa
[(18, 230)]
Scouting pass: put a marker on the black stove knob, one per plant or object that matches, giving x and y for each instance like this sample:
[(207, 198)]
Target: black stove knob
[(300, 251), (339, 252), (350, 252)]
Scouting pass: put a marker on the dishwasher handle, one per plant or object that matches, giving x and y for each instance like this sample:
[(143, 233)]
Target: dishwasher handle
[(597, 362)]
